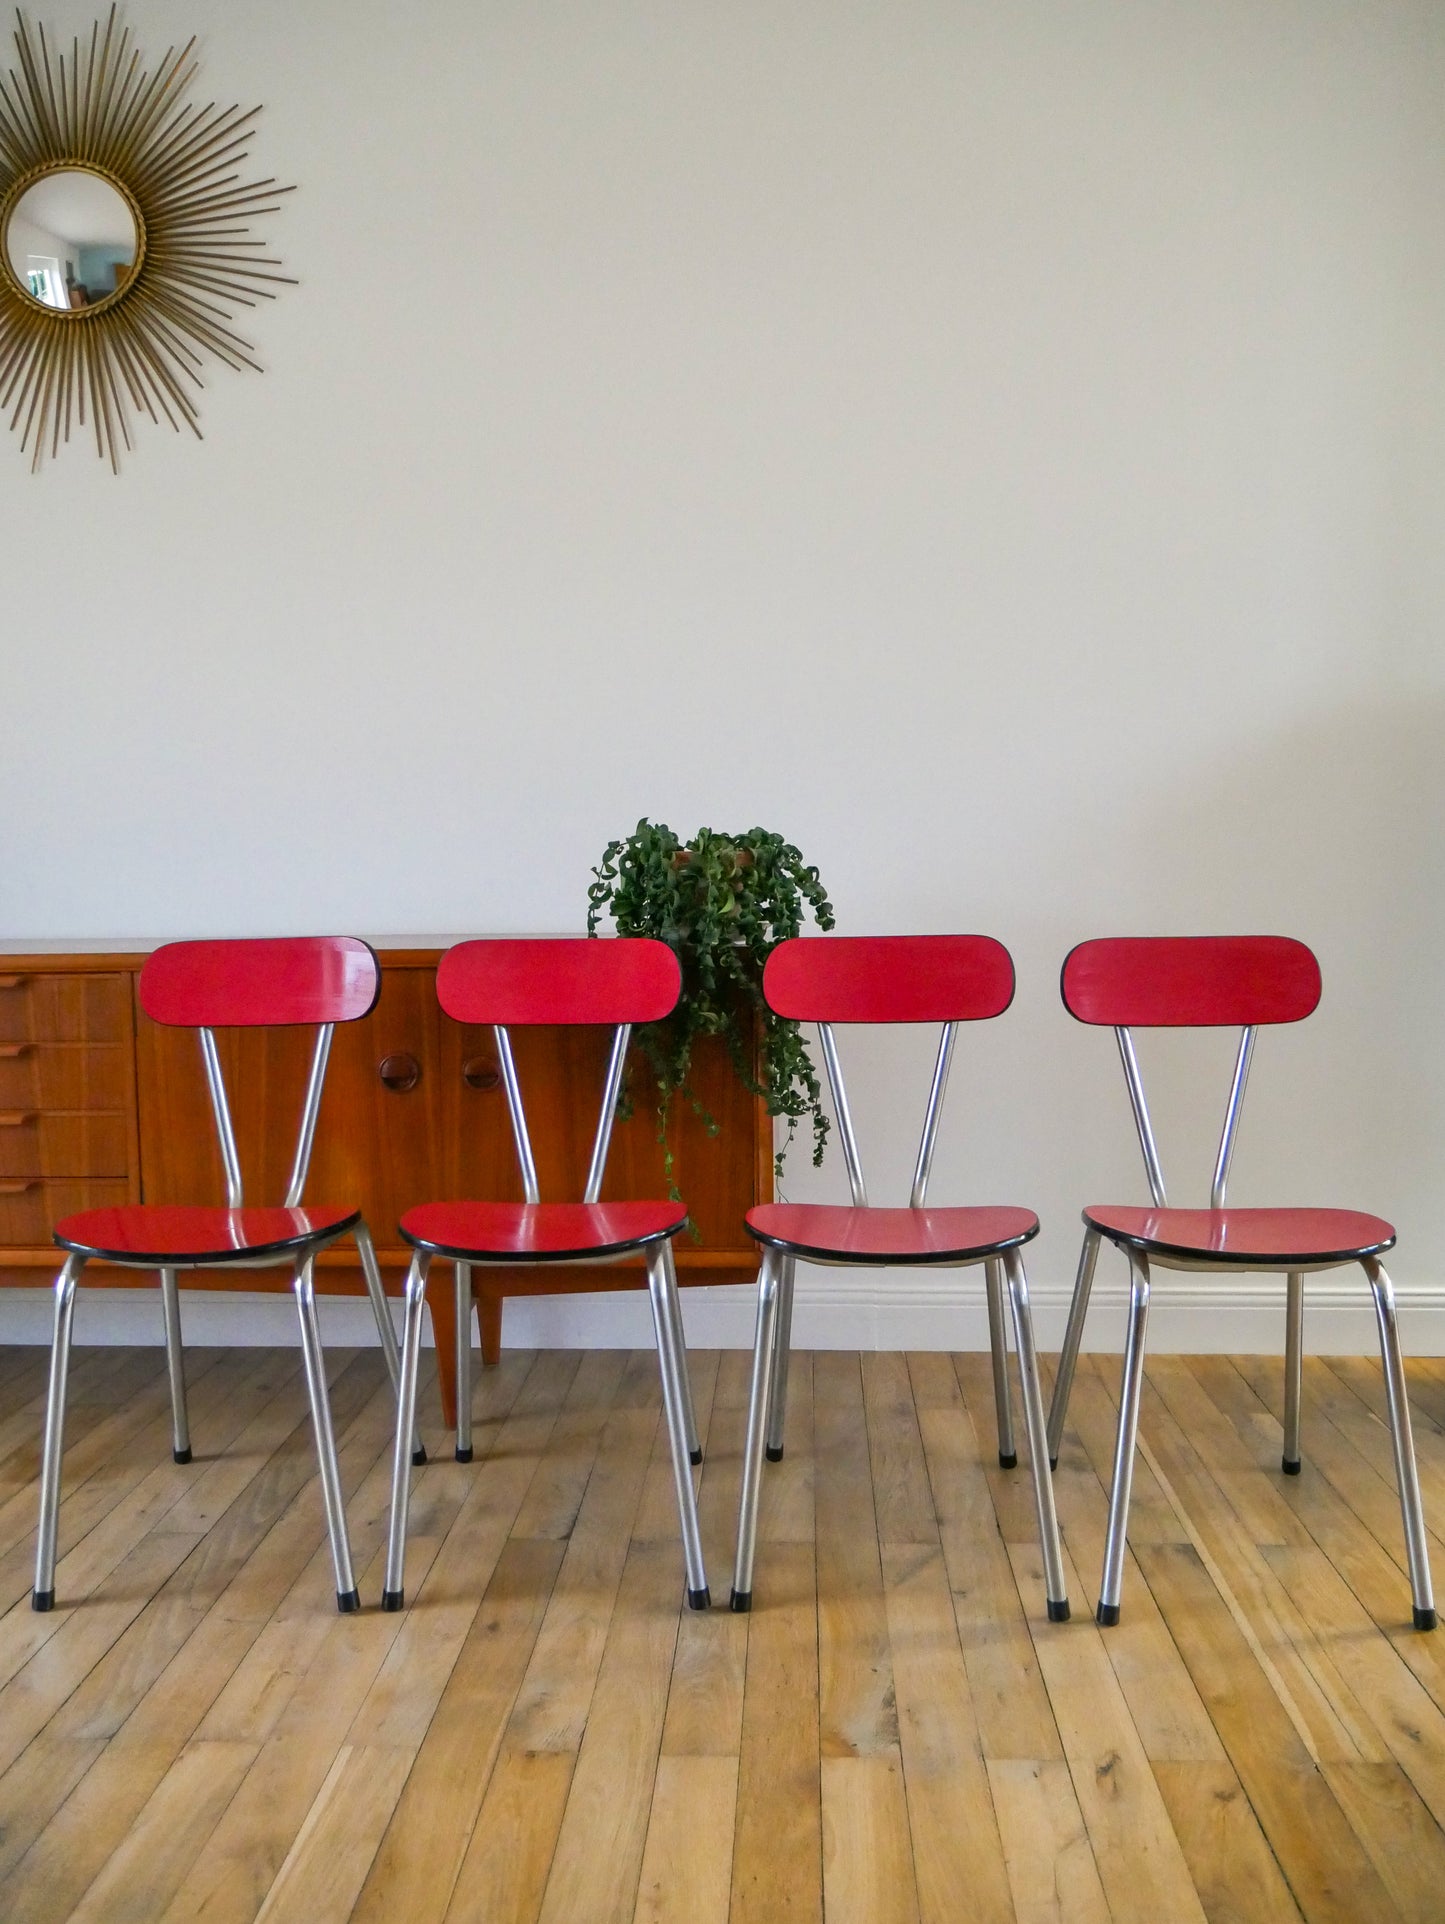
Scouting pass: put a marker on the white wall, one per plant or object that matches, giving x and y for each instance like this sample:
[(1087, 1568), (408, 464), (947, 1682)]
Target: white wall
[(23, 238), (1000, 447)]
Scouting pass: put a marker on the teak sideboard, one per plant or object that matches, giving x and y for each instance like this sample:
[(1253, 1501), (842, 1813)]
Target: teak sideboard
[(99, 1105)]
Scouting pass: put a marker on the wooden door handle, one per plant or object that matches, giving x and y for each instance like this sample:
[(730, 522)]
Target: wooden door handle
[(480, 1072), (399, 1072)]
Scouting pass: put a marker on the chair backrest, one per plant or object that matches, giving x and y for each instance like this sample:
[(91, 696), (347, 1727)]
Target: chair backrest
[(520, 981), (268, 983), (947, 979), (1195, 982)]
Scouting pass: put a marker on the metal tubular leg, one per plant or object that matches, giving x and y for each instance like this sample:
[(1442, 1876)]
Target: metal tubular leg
[(1294, 1337), (315, 1362), (672, 1363), (42, 1597), (385, 1328), (393, 1594), (763, 1342), (463, 1272), (998, 1344), (689, 1414), (1406, 1476), (782, 1350), (175, 1367), (1055, 1588), (1131, 1391), (1073, 1336)]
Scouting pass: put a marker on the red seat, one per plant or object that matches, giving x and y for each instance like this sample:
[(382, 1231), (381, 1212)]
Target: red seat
[(293, 980), (828, 1232), (538, 1232), (1211, 981), (946, 979), (618, 981)]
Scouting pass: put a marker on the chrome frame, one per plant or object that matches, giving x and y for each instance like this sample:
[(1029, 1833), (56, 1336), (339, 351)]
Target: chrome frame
[(772, 1343), (303, 1288), (663, 1294), (1131, 1388)]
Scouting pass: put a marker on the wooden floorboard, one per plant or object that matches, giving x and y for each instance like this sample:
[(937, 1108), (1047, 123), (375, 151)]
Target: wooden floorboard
[(896, 1731)]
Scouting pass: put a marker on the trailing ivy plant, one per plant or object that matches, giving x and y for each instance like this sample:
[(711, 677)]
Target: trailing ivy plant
[(722, 903)]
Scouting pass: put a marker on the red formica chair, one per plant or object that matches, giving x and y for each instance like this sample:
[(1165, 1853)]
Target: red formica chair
[(615, 981), (206, 986), (946, 979), (1200, 982)]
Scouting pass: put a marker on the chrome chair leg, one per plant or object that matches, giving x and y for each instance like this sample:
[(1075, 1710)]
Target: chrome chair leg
[(393, 1594), (672, 1363), (782, 1351), (381, 1310), (1294, 1332), (1073, 1336), (315, 1363), (998, 1345), (175, 1367), (1055, 1588), (1406, 1476), (42, 1597), (463, 1278), (689, 1414), (1131, 1392), (763, 1342)]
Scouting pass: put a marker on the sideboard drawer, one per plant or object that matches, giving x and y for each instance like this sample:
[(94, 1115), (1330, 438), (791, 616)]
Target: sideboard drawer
[(64, 1075), (30, 1209), (63, 1146), (64, 1008)]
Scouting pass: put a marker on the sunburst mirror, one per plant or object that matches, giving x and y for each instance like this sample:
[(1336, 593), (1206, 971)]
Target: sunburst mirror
[(126, 240)]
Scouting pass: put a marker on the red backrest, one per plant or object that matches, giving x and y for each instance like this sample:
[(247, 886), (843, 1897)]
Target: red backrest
[(260, 984), (1191, 981), (567, 979), (889, 978)]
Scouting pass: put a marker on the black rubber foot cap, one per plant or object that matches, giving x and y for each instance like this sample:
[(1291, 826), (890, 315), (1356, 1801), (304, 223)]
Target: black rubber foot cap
[(182, 1456), (418, 1455), (1053, 1462), (45, 1600), (1290, 1469), (347, 1601), (740, 1600), (392, 1599), (1058, 1610), (1424, 1619), (1008, 1459), (694, 1457), (699, 1599), (1107, 1614), (465, 1456)]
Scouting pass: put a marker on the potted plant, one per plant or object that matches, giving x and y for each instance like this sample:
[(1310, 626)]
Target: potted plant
[(722, 903)]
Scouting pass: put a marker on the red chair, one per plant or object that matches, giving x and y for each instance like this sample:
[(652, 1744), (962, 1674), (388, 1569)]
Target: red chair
[(891, 978), (1204, 982), (205, 986), (506, 983)]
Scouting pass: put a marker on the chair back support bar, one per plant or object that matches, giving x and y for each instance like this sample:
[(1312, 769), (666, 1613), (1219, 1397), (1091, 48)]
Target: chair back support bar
[(946, 979), (1190, 981), (518, 982), (284, 983)]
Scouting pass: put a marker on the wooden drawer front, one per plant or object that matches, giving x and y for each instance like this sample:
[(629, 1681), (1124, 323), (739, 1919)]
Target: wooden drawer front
[(64, 1075), (60, 1146), (64, 1008), (30, 1210)]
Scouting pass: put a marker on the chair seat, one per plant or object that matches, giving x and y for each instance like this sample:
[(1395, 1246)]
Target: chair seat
[(1277, 1237), (539, 1232), (165, 1235), (836, 1233)]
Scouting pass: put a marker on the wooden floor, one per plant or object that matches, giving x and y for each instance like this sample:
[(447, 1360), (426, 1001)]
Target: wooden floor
[(897, 1732)]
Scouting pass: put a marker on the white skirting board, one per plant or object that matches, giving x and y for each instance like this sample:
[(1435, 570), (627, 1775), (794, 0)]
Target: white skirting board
[(893, 1311)]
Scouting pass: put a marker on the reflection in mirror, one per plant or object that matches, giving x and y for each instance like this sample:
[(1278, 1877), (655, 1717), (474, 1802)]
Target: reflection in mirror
[(71, 239)]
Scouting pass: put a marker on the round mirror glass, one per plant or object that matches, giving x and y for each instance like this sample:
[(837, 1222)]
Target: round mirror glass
[(71, 239)]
